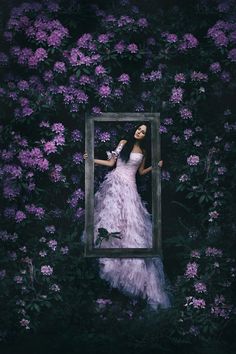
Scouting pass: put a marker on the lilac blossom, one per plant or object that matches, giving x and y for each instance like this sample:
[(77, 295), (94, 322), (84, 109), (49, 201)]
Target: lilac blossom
[(185, 113), (215, 67), (52, 244), (56, 175), (50, 229), (76, 135), (20, 216), (142, 22), (162, 129), (180, 77), (104, 91), (59, 67), (105, 136), (175, 139), (132, 48), (39, 212), (46, 270), (168, 121), (200, 287), (188, 133), (232, 55), (176, 95), (191, 270), (170, 37), (183, 178), (193, 160), (49, 147), (103, 38), (100, 70), (213, 215), (124, 79), (77, 158), (212, 251)]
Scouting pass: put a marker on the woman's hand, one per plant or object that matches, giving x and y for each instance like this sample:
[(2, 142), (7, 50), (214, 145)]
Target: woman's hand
[(85, 155), (160, 163)]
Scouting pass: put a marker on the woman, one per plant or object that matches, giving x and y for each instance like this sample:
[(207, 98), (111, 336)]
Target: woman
[(118, 208)]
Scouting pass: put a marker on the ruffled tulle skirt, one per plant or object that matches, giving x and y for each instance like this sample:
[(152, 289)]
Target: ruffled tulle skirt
[(118, 208)]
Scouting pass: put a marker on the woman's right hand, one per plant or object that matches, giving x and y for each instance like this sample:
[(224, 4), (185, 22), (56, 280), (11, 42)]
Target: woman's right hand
[(85, 155)]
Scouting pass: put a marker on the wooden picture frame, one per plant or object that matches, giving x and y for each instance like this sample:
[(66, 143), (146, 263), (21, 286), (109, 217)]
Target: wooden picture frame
[(89, 249)]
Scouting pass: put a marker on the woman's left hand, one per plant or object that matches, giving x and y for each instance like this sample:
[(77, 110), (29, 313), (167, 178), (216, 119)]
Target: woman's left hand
[(160, 163)]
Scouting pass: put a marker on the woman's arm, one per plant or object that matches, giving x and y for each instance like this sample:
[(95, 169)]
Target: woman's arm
[(109, 163), (143, 171)]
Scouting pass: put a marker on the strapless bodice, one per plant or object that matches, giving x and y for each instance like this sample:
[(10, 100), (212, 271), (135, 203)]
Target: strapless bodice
[(128, 170)]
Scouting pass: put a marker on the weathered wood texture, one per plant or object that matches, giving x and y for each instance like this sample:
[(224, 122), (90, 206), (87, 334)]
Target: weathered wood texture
[(90, 250)]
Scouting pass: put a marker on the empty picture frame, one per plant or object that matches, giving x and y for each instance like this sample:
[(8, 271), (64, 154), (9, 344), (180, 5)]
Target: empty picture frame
[(89, 249)]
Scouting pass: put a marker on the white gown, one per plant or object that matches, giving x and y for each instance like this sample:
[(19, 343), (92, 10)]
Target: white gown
[(118, 208)]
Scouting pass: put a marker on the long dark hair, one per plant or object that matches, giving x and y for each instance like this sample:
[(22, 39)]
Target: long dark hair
[(144, 143)]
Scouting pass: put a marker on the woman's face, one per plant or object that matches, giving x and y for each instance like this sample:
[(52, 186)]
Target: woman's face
[(140, 132)]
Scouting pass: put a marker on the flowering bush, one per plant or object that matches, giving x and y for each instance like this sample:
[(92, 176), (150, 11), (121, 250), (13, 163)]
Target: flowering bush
[(55, 68)]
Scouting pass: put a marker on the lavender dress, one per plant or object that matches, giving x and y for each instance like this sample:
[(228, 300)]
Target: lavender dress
[(119, 208)]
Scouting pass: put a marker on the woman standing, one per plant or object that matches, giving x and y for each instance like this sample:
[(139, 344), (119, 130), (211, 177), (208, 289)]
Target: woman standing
[(119, 208)]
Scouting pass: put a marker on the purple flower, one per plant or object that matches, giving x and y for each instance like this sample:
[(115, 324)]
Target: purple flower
[(48, 76), (23, 85), (58, 128), (125, 20), (195, 254), (54, 287), (59, 67), (105, 136), (198, 76), (46, 270), (168, 121), (191, 270), (175, 139), (213, 215), (180, 77), (96, 110), (78, 158), (120, 47), (103, 38), (76, 135), (215, 67), (49, 147), (50, 229), (193, 160), (55, 38), (170, 37), (176, 95), (188, 42), (198, 303), (84, 40), (155, 75), (200, 287), (132, 48), (225, 76), (232, 55), (19, 216), (124, 79), (162, 129), (183, 178), (52, 244), (104, 91), (27, 111), (185, 113), (212, 251), (188, 133), (100, 70), (142, 22)]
